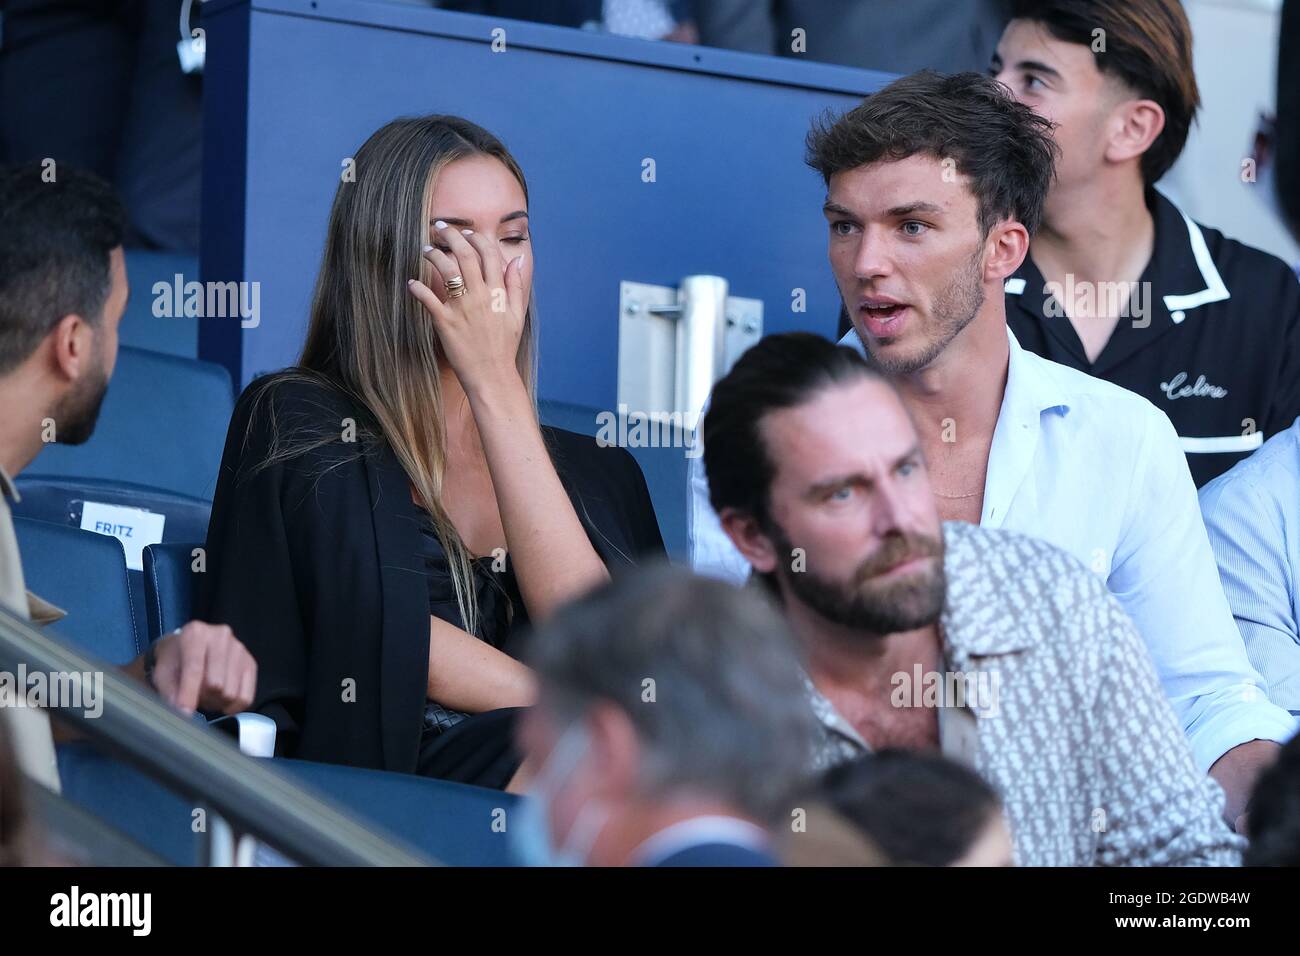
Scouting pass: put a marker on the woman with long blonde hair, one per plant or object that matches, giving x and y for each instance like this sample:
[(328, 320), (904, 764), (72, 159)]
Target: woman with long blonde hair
[(389, 513)]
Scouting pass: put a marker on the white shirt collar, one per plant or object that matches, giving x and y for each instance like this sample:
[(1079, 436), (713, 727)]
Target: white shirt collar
[(7, 487), (1033, 388)]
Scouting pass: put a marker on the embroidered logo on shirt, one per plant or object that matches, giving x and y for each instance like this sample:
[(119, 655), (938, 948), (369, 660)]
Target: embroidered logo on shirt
[(1175, 389)]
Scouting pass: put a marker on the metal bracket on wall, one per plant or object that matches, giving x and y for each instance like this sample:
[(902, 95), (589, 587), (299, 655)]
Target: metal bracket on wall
[(675, 342)]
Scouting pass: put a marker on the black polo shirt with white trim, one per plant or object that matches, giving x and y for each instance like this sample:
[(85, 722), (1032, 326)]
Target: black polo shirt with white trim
[(1213, 341)]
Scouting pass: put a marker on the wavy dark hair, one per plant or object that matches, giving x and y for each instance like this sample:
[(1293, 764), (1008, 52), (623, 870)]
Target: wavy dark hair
[(1002, 146), (780, 371), (58, 226)]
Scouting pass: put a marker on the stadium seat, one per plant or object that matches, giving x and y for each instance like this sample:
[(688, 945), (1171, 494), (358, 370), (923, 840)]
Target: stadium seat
[(455, 823), (141, 328), (85, 574), (61, 499), (129, 800), (163, 425), (169, 587)]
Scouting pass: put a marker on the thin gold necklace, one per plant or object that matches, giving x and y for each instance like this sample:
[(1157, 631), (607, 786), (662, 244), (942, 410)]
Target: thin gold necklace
[(940, 494)]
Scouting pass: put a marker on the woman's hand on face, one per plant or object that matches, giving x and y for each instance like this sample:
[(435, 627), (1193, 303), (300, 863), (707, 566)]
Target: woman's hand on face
[(480, 329)]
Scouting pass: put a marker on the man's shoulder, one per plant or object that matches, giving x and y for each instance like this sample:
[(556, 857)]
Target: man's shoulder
[(1005, 553), (1237, 260), (1101, 414), (1008, 589), (1085, 391), (1273, 470), (718, 854)]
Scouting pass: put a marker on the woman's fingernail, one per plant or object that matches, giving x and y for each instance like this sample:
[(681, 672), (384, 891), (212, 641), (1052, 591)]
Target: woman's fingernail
[(439, 224), (410, 282), (468, 232), (427, 249), (517, 262)]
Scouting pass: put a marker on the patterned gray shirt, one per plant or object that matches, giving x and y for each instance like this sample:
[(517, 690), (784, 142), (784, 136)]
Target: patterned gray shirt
[(1091, 763)]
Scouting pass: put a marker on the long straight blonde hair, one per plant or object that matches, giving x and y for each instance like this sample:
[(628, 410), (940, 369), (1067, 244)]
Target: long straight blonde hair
[(370, 338)]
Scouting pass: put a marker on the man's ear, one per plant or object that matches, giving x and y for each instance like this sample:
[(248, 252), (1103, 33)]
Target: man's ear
[(1004, 250), (614, 746), (71, 342), (1132, 129), (750, 540)]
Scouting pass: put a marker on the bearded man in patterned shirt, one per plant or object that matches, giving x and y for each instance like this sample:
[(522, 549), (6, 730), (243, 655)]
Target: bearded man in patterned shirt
[(999, 650)]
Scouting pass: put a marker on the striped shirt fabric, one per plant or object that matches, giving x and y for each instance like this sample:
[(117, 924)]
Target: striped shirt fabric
[(1252, 514)]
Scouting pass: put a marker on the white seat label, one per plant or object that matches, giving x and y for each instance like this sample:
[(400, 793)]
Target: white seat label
[(136, 529)]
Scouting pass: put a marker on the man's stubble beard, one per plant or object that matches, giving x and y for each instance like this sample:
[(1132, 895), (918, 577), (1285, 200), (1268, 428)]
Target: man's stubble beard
[(77, 413), (954, 309)]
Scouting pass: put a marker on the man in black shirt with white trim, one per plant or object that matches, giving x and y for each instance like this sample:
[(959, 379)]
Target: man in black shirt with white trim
[(1119, 282)]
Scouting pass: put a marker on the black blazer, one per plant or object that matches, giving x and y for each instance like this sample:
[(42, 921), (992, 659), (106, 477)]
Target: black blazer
[(315, 564)]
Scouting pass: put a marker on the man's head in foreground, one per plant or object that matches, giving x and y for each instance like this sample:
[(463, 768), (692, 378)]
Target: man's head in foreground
[(920, 809), (933, 188), (663, 697), (816, 473), (63, 290), (1274, 821)]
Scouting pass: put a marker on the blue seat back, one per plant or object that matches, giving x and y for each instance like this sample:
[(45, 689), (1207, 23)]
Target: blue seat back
[(451, 822), (85, 574), (454, 823), (141, 326), (169, 580), (163, 424), (60, 500), (129, 800)]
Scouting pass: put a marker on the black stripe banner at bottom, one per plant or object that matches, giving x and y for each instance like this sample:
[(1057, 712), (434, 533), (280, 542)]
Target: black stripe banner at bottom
[(198, 906)]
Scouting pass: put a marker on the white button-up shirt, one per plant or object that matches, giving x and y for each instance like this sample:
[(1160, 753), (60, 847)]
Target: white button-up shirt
[(1098, 471)]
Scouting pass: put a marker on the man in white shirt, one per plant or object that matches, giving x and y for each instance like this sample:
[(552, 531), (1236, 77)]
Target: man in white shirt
[(934, 186)]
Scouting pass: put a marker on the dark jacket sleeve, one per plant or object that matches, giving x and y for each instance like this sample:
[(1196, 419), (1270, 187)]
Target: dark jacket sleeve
[(293, 569)]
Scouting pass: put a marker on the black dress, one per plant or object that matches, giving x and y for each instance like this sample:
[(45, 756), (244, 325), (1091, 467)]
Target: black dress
[(317, 561), (471, 748)]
